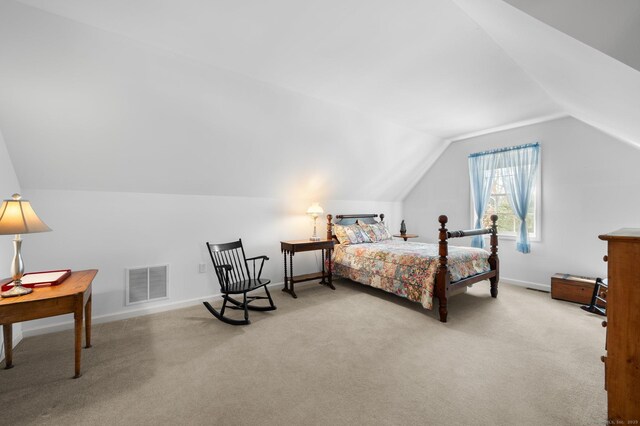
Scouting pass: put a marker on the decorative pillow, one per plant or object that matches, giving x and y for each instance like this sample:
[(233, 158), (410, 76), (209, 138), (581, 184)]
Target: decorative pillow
[(350, 234), (365, 236), (368, 231), (375, 231)]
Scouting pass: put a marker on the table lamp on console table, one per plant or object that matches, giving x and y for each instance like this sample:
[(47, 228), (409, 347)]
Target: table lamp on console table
[(314, 211), (17, 217)]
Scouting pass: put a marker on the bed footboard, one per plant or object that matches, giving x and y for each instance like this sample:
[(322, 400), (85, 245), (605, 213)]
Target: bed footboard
[(443, 277)]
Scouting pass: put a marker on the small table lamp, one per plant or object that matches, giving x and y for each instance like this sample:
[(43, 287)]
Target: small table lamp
[(17, 217), (314, 211)]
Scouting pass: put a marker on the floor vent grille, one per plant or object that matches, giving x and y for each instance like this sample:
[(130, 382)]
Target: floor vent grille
[(147, 284)]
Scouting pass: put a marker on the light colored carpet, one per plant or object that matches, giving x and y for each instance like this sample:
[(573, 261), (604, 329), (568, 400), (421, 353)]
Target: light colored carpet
[(347, 357)]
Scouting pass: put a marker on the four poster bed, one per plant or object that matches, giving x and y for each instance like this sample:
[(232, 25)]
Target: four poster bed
[(416, 271)]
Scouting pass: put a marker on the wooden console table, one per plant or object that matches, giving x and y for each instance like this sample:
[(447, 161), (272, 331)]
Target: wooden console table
[(72, 296), (292, 247)]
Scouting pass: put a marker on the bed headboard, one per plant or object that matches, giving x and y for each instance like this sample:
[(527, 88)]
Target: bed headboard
[(349, 219)]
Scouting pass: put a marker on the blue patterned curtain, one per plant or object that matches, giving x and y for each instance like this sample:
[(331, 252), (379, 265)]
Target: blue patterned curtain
[(519, 180), (519, 166), (481, 171)]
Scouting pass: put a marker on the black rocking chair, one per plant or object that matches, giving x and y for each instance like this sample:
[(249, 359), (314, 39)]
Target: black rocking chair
[(235, 277), (598, 303)]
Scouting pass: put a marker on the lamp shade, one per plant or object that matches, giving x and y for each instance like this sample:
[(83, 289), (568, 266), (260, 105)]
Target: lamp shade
[(315, 210), (17, 217)]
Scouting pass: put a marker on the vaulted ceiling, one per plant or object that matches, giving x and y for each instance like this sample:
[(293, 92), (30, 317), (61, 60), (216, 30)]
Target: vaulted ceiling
[(348, 99), (422, 64), (587, 83), (612, 26)]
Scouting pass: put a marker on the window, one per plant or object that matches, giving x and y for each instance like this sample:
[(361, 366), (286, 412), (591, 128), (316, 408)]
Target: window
[(498, 203), (503, 182)]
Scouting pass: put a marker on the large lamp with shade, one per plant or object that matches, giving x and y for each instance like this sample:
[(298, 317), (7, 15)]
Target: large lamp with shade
[(314, 211), (17, 217)]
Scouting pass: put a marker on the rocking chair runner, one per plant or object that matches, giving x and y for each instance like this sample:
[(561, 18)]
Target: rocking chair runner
[(235, 277)]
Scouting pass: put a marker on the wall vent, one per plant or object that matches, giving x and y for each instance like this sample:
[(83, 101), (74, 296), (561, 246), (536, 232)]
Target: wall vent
[(147, 284)]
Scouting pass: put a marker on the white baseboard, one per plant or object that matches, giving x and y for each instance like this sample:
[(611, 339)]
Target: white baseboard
[(527, 284), (67, 325), (170, 306)]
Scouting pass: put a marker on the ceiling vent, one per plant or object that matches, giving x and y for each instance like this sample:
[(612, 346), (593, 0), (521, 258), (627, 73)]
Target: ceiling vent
[(147, 284)]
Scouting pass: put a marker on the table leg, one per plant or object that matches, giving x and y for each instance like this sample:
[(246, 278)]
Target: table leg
[(286, 282), (8, 345), (87, 323), (77, 316), (323, 280), (291, 291), (330, 270)]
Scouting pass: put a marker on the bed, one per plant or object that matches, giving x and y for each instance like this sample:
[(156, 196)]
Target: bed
[(419, 272)]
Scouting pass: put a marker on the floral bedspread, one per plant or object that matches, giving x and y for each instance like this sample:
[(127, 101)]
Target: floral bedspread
[(405, 269)]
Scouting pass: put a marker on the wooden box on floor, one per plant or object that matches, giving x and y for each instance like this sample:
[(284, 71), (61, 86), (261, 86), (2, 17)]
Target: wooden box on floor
[(572, 288)]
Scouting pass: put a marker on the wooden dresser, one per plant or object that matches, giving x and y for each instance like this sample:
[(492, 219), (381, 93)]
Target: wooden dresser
[(622, 360)]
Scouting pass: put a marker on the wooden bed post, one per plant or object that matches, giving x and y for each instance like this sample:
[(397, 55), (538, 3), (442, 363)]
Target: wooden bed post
[(329, 229), (494, 262), (442, 276), (382, 217)]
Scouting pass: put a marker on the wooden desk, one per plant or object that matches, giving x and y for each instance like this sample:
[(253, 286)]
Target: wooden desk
[(72, 296), (296, 246)]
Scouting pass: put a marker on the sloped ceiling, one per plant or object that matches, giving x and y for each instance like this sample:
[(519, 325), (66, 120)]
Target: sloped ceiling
[(83, 108), (611, 26), (422, 64), (588, 84), (342, 99)]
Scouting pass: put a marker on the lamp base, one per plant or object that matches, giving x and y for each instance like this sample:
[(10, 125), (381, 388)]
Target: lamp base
[(314, 238), (17, 290)]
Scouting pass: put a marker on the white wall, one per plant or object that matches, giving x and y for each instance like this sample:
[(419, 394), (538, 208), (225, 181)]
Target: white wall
[(8, 185), (590, 186), (111, 231), (101, 128)]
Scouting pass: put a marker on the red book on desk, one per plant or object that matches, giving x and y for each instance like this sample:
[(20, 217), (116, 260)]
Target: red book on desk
[(40, 279)]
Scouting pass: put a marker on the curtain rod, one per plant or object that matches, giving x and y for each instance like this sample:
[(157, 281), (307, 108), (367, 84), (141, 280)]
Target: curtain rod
[(509, 148)]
